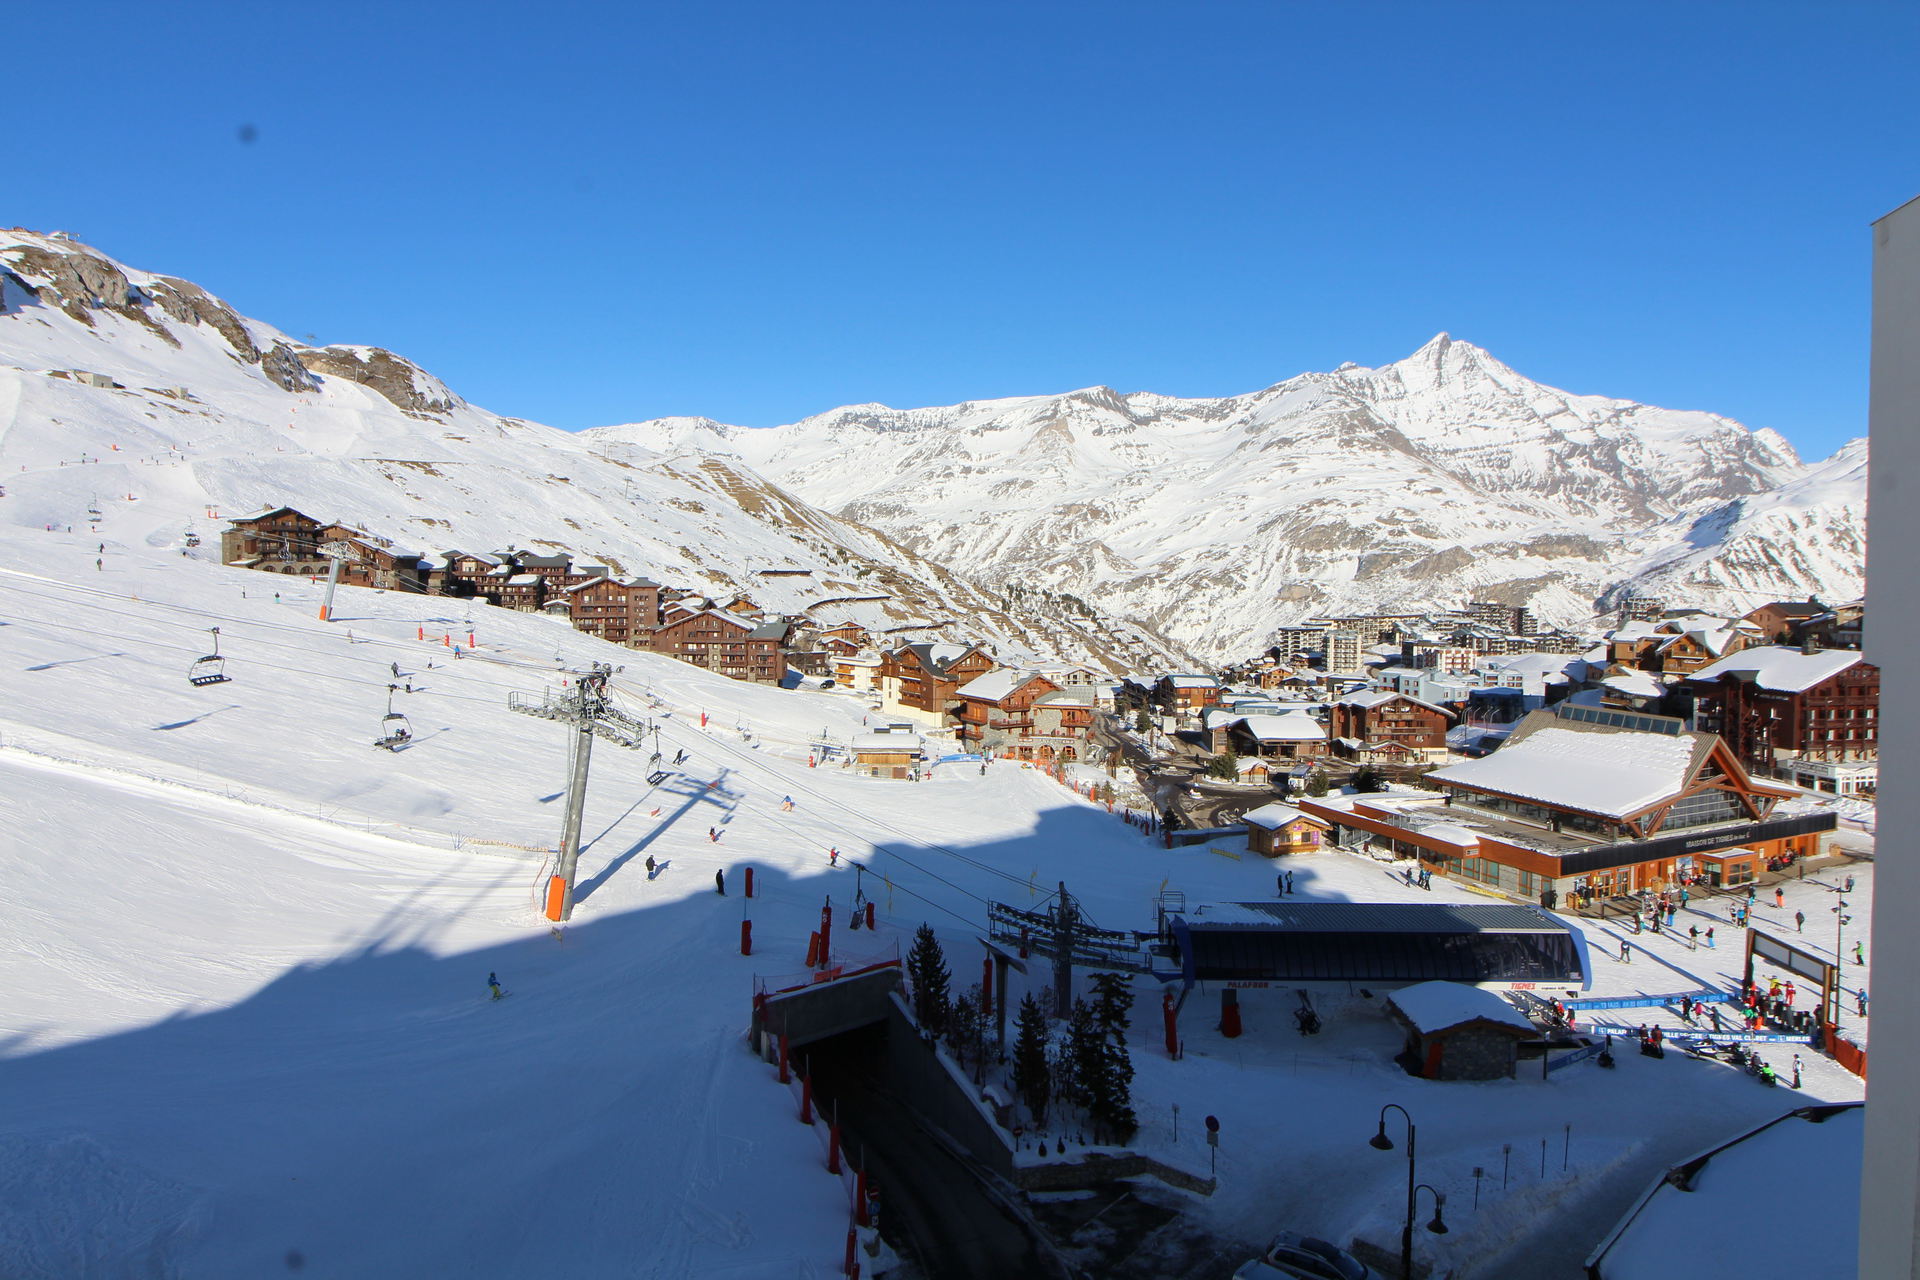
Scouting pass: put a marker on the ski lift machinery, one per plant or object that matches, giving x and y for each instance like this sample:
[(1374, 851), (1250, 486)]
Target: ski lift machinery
[(210, 669), (395, 730)]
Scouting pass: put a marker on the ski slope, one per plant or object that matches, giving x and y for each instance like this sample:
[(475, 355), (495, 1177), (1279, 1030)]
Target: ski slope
[(246, 1025)]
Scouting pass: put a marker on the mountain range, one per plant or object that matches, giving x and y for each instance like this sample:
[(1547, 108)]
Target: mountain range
[(1443, 477), (1126, 529)]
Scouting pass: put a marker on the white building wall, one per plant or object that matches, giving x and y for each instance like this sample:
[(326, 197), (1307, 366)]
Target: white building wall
[(1890, 1180)]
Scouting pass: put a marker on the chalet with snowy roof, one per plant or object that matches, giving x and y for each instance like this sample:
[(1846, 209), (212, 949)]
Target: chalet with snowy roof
[(921, 680), (859, 672), (887, 755), (1778, 621), (998, 705), (740, 648), (1181, 693), (1276, 830), (1810, 716), (1586, 799), (1841, 627), (1380, 726), (1290, 736), (1061, 724), (619, 610), (1459, 1032)]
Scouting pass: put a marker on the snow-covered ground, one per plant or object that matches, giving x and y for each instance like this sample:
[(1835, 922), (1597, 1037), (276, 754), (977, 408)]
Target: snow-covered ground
[(245, 957)]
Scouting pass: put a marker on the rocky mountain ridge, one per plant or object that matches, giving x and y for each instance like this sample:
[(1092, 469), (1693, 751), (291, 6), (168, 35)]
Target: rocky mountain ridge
[(208, 413), (1439, 478)]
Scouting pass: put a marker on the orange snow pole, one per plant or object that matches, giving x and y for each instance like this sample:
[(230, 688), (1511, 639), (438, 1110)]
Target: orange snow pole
[(783, 1057), (447, 641), (422, 633), (323, 613), (749, 882), (833, 1147), (869, 917), (746, 937), (556, 897), (806, 1099), (853, 1262), (813, 950), (1168, 1014), (862, 1214), (470, 643)]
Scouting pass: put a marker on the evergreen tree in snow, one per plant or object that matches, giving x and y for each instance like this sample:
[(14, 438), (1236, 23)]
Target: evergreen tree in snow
[(1140, 722), (963, 1028), (1225, 765), (1083, 1056), (1317, 783), (927, 974), (1032, 1073), (1110, 1090)]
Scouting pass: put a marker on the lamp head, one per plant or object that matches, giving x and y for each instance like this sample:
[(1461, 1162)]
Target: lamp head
[(1438, 1226), (1380, 1141)]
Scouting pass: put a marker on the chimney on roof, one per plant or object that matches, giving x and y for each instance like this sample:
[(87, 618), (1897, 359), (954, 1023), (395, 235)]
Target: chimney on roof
[(1809, 640)]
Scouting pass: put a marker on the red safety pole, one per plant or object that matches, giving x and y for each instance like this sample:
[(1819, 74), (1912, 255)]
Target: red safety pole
[(806, 1099), (422, 631), (869, 917), (1172, 1021), (861, 1214), (813, 950), (833, 1147), (746, 937), (783, 1058), (749, 882), (853, 1262)]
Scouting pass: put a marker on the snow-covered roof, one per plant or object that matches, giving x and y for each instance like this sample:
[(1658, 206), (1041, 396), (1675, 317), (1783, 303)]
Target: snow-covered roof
[(1438, 1006), (886, 742), (1781, 668), (1612, 772), (1192, 682), (1291, 726), (1375, 697), (1636, 684), (1220, 717), (1635, 630), (994, 685), (1274, 816), (522, 579), (1661, 1237)]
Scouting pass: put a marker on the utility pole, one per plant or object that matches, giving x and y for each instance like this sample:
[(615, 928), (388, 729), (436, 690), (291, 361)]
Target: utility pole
[(584, 706), (336, 553)]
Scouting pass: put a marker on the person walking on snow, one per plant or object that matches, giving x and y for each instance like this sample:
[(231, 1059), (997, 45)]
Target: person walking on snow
[(1859, 956), (1860, 1001), (833, 858), (652, 866), (1779, 897), (1626, 955), (720, 882), (1289, 883), (1693, 937), (1799, 921), (1710, 945), (493, 985)]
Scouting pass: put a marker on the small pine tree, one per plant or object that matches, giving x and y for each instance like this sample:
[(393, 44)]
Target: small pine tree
[(1317, 783), (1110, 1104), (927, 973), (963, 1028), (1140, 721), (1225, 765), (1369, 778), (1085, 1052), (1106, 790), (1032, 1073)]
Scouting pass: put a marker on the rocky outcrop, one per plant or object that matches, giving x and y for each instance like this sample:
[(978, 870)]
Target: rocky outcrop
[(409, 387), (80, 282), (282, 364), (190, 304)]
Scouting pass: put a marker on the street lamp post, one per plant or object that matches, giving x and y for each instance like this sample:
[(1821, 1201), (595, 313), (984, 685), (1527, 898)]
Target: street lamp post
[(1381, 1142)]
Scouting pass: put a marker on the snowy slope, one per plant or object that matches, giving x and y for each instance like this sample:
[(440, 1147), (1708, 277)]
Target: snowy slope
[(245, 955), (1441, 477), (215, 413)]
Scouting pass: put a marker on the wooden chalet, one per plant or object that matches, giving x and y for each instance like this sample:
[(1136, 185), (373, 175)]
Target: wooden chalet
[(1185, 693), (998, 705), (1380, 726), (923, 679), (1778, 621), (1291, 736), (887, 755), (619, 610), (1276, 830), (1811, 716), (740, 648)]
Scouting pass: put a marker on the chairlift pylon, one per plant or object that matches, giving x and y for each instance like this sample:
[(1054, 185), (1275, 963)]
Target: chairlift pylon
[(210, 669), (395, 730)]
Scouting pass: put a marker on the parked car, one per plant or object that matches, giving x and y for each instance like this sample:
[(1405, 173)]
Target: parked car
[(1293, 1256)]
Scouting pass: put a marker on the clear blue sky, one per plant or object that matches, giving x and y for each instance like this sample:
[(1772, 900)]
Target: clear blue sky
[(585, 214)]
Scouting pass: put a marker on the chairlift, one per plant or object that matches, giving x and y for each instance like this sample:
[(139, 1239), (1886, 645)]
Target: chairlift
[(192, 538), (210, 669), (93, 507), (395, 730)]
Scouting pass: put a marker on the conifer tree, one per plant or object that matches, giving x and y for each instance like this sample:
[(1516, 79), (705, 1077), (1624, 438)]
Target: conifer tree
[(963, 1027), (927, 973), (1032, 1073), (1084, 1054), (1110, 1092), (1317, 784)]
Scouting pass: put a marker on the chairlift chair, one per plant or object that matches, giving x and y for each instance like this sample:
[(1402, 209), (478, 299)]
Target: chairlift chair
[(210, 669), (395, 730)]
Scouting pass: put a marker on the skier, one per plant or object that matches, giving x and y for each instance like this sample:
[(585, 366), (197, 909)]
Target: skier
[(1796, 1071), (652, 867), (1799, 921), (1860, 1001), (1671, 912), (1859, 954), (714, 835), (1289, 883), (1626, 955), (720, 882), (1280, 885), (786, 804), (396, 669), (493, 985), (833, 858), (103, 568)]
